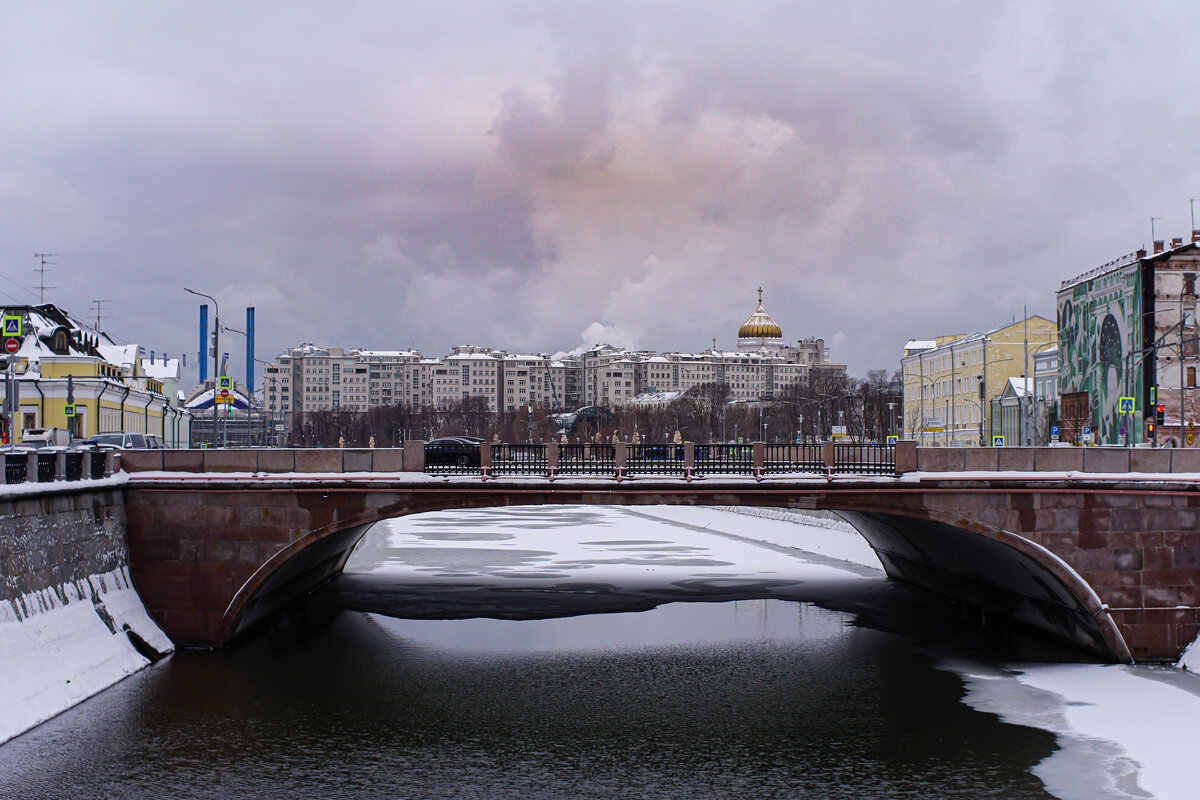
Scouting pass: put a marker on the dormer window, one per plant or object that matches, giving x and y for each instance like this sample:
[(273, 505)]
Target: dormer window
[(60, 342)]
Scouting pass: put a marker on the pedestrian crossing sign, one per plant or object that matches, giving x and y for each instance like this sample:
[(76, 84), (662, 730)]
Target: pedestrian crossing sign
[(69, 410), (893, 439), (12, 326), (997, 441), (225, 382), (1126, 405)]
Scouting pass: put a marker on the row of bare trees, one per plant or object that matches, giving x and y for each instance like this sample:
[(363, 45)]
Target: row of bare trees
[(868, 408)]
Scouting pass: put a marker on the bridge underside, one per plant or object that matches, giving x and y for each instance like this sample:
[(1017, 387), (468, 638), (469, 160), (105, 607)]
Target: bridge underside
[(213, 562)]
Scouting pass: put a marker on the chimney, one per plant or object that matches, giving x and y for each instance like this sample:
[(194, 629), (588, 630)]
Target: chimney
[(1141, 253), (1176, 242), (1158, 246), (1196, 236)]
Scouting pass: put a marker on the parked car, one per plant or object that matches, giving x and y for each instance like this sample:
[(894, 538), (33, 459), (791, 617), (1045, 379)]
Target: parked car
[(457, 451), (118, 439), (45, 437)]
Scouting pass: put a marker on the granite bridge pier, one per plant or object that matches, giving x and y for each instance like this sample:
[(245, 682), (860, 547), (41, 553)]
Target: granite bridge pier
[(1098, 547)]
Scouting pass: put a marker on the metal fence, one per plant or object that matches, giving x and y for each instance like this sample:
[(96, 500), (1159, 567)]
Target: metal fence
[(15, 467), (864, 459), (654, 459), (519, 459), (784, 458), (78, 465), (74, 466), (587, 459), (724, 459)]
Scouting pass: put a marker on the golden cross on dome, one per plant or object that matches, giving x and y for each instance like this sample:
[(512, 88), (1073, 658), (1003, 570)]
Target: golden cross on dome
[(760, 295)]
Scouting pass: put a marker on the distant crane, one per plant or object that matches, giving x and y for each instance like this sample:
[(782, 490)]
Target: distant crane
[(553, 391)]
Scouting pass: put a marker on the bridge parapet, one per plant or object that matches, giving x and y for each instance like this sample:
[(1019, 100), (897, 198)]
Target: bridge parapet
[(757, 459)]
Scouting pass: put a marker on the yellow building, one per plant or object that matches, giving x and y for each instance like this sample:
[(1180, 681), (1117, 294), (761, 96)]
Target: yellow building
[(59, 358), (950, 380)]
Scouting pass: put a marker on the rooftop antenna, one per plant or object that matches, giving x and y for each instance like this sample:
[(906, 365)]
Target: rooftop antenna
[(1152, 237), (99, 308), (42, 270), (1192, 204)]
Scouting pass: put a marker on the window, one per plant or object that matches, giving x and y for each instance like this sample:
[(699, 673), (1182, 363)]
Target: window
[(1191, 377)]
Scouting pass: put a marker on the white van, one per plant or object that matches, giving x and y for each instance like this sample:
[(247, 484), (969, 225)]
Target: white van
[(45, 437)]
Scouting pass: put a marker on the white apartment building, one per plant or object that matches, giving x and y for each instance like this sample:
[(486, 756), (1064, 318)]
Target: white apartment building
[(311, 378)]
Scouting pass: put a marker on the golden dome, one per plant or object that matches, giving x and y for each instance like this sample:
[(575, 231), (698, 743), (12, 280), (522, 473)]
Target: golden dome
[(760, 325)]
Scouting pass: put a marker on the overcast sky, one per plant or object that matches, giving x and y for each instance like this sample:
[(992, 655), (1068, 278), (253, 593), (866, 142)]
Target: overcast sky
[(538, 176)]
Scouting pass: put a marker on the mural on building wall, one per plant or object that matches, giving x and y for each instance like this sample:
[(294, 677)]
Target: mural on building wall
[(1099, 325)]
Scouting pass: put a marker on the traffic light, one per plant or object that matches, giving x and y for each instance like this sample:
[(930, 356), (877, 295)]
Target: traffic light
[(1149, 429), (1158, 414)]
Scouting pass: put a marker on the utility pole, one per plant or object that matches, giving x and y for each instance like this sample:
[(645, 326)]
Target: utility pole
[(42, 270)]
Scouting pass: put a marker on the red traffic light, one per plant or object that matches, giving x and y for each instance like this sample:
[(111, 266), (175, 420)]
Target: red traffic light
[(1159, 408)]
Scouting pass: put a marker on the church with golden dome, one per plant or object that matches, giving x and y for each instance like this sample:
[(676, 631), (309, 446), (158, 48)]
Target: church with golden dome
[(760, 331)]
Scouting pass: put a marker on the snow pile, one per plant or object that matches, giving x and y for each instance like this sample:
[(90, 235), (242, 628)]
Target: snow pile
[(1114, 739), (62, 646), (1191, 657), (823, 532)]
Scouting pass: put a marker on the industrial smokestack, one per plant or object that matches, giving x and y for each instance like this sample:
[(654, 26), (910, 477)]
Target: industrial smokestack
[(203, 343), (250, 350)]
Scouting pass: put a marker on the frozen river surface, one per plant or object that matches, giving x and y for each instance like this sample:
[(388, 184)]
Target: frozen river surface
[(794, 670)]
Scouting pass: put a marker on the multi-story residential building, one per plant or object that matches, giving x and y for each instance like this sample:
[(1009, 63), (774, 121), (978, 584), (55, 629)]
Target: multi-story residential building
[(113, 387), (1109, 351), (310, 378), (949, 380)]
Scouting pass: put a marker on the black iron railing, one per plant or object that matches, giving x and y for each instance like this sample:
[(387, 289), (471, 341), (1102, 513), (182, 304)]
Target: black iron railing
[(96, 461), (654, 459), (864, 459), (785, 458), (724, 459), (587, 459), (45, 467), (519, 459), (74, 466), (15, 467)]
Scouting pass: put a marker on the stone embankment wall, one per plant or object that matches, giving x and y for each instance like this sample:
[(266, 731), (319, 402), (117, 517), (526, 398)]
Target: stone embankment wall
[(71, 623)]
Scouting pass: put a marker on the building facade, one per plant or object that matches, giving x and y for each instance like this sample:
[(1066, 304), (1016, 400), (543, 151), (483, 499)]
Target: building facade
[(61, 361), (948, 381), (1127, 329)]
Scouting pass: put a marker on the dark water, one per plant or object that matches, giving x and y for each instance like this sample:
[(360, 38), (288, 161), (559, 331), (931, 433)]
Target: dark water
[(749, 699), (765, 698)]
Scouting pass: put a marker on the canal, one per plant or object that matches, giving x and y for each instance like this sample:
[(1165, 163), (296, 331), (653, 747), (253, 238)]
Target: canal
[(726, 663)]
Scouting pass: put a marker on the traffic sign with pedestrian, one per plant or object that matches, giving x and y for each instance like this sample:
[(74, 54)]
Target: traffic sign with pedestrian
[(69, 410), (12, 326), (997, 441), (1125, 405)]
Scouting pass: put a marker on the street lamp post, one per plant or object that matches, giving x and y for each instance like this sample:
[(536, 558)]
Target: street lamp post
[(216, 346)]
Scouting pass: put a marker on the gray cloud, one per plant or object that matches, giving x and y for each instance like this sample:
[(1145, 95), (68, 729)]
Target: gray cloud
[(539, 175)]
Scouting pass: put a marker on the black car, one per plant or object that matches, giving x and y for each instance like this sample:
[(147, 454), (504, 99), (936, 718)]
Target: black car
[(452, 451)]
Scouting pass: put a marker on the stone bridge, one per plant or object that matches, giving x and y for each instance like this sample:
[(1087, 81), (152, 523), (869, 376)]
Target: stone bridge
[(1098, 547)]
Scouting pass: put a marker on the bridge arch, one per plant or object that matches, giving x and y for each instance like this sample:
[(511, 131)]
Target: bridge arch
[(946, 553)]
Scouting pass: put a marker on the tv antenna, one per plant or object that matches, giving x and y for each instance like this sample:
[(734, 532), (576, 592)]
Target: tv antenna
[(98, 307), (41, 269)]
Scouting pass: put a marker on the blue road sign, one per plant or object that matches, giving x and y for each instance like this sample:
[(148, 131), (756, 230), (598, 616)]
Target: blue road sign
[(1054, 430)]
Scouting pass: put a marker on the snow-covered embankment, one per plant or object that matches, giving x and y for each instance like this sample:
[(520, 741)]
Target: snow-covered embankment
[(71, 623)]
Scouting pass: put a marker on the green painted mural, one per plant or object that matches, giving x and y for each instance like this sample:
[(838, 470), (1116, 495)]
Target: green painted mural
[(1099, 325)]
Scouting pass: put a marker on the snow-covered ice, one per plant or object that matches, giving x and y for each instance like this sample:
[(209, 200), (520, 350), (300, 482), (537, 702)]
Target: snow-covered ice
[(59, 648)]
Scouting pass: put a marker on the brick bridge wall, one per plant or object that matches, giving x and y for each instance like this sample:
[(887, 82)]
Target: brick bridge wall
[(212, 557)]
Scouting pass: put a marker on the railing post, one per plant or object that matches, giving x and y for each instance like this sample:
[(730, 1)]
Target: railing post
[(619, 457), (551, 459), (906, 457), (758, 452), (827, 457), (689, 459), (112, 463), (31, 467), (485, 460), (60, 466), (414, 455)]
